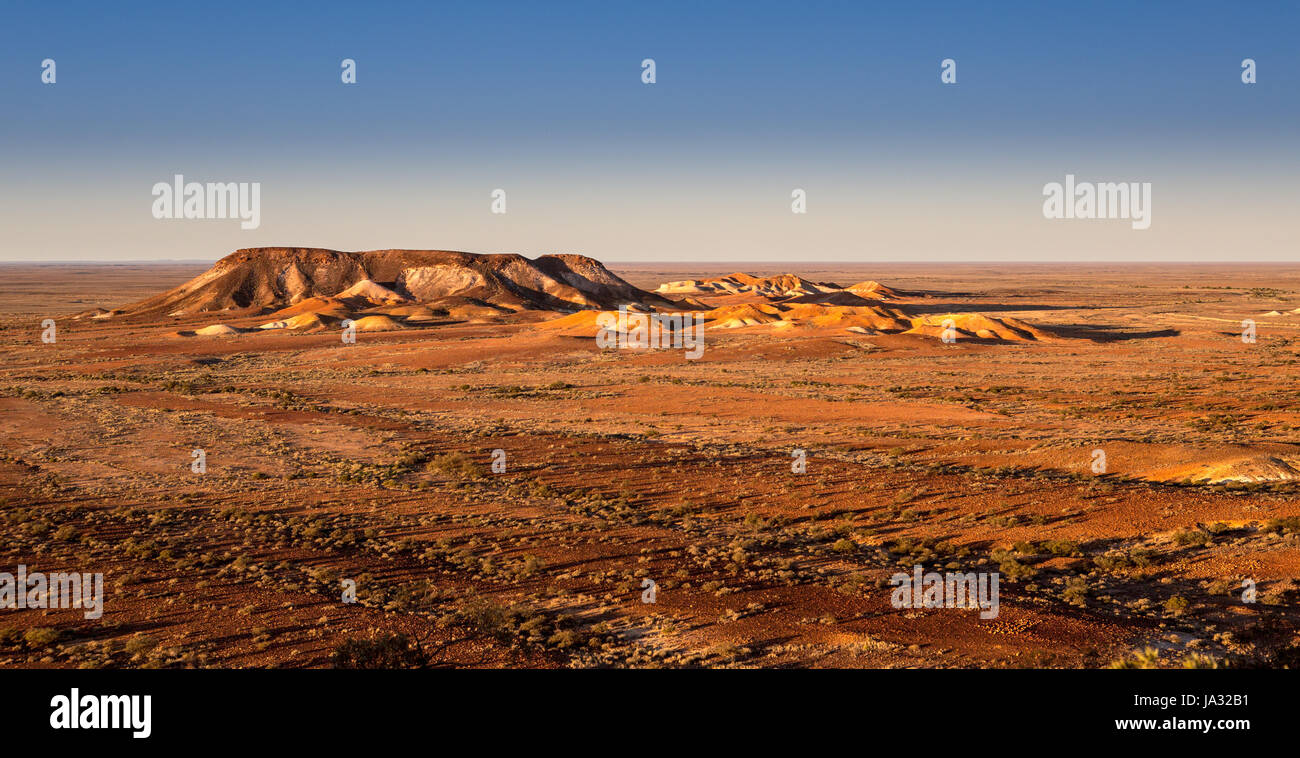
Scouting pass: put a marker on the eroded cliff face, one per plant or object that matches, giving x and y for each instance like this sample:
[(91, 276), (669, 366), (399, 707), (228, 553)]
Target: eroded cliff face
[(274, 277)]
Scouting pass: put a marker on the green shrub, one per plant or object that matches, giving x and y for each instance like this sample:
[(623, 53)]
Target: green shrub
[(412, 459), (41, 637), (392, 651), (1015, 570), (1111, 562), (140, 644), (1145, 659), (455, 465), (1192, 537), (1060, 547), (1076, 591), (1199, 661)]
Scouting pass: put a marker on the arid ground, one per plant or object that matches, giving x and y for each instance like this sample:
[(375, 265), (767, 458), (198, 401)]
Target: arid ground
[(371, 462)]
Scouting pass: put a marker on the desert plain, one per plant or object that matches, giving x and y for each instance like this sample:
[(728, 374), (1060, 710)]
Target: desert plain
[(367, 466)]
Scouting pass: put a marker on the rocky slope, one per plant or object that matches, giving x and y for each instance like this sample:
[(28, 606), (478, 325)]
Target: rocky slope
[(270, 278)]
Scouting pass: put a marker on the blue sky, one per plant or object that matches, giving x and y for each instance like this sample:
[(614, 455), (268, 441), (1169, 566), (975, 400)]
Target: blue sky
[(752, 99)]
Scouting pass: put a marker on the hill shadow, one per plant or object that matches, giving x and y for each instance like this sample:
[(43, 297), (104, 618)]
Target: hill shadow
[(1108, 333), (1002, 307)]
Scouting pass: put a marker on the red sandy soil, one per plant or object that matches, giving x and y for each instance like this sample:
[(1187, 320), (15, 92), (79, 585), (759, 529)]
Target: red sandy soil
[(371, 462)]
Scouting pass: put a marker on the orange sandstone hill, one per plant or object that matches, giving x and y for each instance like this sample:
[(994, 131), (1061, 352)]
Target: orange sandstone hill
[(789, 288), (785, 285), (258, 279)]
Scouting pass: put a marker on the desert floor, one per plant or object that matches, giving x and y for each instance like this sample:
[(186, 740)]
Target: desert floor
[(371, 462)]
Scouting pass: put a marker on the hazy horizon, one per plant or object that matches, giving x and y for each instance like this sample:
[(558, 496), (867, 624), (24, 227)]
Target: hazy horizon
[(548, 104), (702, 265)]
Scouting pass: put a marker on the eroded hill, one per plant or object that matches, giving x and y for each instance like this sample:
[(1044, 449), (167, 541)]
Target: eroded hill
[(269, 278)]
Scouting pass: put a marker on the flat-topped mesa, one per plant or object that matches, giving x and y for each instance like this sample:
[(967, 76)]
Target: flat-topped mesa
[(257, 279), (783, 287), (874, 289)]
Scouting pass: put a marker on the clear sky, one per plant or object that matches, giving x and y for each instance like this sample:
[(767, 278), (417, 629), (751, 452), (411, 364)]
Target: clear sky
[(752, 100)]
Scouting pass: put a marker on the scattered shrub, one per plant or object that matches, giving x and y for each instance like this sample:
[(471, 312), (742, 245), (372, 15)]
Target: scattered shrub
[(1196, 537), (455, 465), (392, 651), (41, 637), (140, 644), (1145, 659)]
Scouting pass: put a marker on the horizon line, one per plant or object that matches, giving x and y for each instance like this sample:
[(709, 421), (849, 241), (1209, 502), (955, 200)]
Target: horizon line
[(698, 263)]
